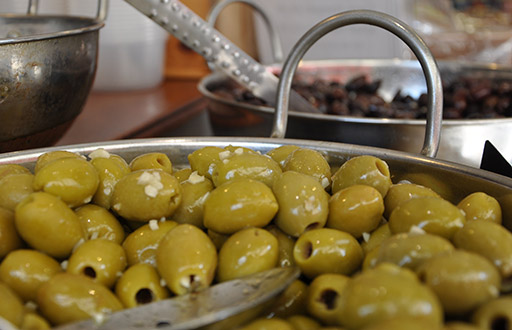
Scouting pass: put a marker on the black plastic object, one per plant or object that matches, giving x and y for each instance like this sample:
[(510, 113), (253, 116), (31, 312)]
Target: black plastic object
[(493, 160)]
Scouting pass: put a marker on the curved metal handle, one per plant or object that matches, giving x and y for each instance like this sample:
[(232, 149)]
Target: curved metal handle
[(32, 7), (101, 14), (277, 49), (387, 22)]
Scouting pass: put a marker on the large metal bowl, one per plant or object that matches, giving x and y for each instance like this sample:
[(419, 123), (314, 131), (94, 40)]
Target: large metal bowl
[(462, 140), (47, 67), (457, 180)]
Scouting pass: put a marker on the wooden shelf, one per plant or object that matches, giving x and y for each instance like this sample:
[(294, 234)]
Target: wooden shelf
[(116, 115)]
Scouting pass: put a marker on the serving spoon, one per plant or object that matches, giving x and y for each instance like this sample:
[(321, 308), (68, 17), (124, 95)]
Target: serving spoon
[(219, 303)]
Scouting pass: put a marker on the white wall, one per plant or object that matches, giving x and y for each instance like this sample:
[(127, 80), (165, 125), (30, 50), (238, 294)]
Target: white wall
[(292, 18)]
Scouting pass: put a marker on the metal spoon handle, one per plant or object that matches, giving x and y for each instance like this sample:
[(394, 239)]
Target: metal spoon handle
[(196, 33), (277, 49), (195, 310)]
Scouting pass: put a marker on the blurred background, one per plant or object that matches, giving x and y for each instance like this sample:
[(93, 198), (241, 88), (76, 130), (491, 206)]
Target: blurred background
[(132, 45), (147, 81)]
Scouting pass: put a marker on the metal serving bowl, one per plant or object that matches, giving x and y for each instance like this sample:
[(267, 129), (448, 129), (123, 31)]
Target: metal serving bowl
[(462, 140), (47, 67)]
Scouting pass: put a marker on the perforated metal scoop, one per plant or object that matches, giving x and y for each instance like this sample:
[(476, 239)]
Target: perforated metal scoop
[(225, 302), (218, 50)]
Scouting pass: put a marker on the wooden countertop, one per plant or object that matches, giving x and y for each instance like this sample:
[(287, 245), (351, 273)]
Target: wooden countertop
[(116, 115)]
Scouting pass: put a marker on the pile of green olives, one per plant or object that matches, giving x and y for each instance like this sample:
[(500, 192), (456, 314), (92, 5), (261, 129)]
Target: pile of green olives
[(83, 236)]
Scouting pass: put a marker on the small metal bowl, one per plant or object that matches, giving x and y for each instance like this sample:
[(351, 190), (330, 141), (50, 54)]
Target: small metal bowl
[(47, 67)]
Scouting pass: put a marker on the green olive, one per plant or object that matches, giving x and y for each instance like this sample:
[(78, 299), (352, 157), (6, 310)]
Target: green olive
[(365, 170), (301, 322), (410, 250), (184, 174), (140, 284), (327, 250), (386, 292), (506, 210), (402, 192), (433, 215), (303, 203), (14, 188), (191, 267), (146, 194), (375, 238), (48, 157), (240, 149), (247, 252), (457, 325), (68, 298), (9, 238), (494, 315), (34, 321), (462, 280), (356, 210), (152, 160), (292, 301), (100, 223), (280, 154), (480, 206), (74, 180), (11, 306), (217, 239), (25, 270), (110, 170), (100, 259), (268, 324), (310, 162), (238, 204), (371, 259), (141, 245), (204, 160), (286, 244), (489, 240), (435, 182), (246, 165), (47, 224), (9, 169), (195, 191), (403, 323), (323, 297)]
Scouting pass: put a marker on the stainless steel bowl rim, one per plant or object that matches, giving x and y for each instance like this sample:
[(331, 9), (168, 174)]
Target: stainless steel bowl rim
[(257, 143), (90, 26), (217, 76)]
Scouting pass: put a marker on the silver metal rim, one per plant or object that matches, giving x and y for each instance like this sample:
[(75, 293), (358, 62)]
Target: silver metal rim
[(277, 49), (177, 146), (95, 26)]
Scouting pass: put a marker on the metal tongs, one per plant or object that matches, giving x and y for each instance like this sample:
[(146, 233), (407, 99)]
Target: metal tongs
[(218, 50)]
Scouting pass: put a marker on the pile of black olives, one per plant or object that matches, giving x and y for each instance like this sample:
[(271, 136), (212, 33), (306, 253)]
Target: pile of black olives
[(464, 98), (82, 236)]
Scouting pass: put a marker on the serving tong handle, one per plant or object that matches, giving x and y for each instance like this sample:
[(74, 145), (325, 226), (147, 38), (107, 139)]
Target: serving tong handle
[(387, 22), (277, 49), (218, 50)]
